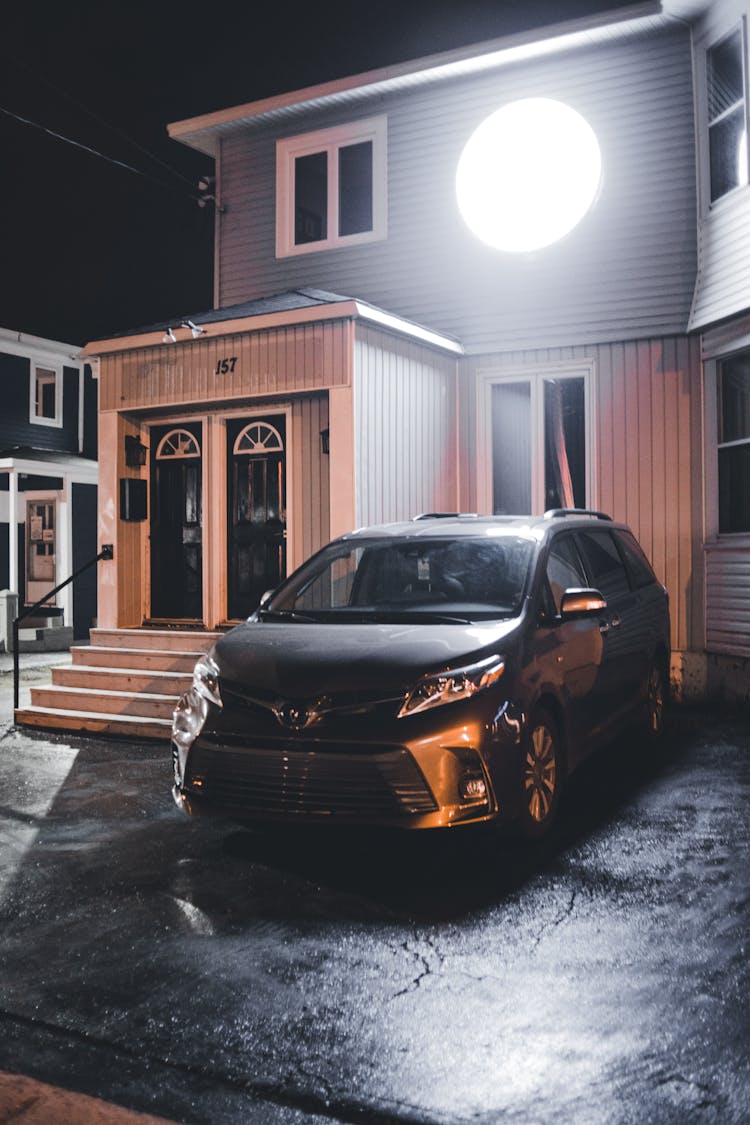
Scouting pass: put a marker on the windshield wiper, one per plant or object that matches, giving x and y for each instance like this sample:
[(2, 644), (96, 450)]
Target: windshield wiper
[(285, 615)]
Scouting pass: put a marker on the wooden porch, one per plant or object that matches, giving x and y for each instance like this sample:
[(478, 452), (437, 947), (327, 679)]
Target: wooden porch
[(124, 683)]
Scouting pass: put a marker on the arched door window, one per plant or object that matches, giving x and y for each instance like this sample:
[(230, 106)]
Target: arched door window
[(178, 443), (259, 437)]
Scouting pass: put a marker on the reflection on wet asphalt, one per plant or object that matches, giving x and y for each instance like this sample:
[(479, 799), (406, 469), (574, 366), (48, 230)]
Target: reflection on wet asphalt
[(213, 974)]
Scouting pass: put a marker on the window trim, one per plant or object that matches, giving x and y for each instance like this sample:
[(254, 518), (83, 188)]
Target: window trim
[(35, 366), (704, 147), (488, 378), (330, 141), (712, 445)]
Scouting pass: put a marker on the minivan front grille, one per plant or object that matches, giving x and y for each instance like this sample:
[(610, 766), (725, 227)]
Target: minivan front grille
[(280, 781)]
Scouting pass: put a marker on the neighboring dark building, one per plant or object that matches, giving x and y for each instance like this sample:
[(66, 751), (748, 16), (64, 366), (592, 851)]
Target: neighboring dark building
[(48, 480)]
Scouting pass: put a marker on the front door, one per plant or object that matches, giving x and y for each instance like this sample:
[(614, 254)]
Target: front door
[(41, 534), (176, 550), (256, 525)]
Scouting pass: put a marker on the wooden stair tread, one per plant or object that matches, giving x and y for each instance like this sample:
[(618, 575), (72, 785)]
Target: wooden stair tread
[(73, 689)]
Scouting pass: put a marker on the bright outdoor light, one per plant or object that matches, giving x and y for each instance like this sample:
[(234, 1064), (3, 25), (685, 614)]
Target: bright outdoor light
[(528, 174)]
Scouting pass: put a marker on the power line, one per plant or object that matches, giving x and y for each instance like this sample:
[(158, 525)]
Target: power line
[(98, 118), (91, 151)]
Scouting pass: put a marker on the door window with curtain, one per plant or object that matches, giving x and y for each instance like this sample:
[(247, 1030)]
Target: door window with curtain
[(539, 443)]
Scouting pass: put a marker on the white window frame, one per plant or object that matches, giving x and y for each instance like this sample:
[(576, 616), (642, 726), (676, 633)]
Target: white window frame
[(712, 359), (54, 369), (535, 376), (703, 118), (330, 141)]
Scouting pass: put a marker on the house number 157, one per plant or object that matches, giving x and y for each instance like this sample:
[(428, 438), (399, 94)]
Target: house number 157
[(225, 366)]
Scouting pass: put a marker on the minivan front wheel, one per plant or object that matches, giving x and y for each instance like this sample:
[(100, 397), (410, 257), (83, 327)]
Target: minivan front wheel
[(540, 775)]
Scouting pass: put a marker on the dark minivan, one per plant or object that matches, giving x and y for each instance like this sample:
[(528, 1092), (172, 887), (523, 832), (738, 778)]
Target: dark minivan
[(448, 670)]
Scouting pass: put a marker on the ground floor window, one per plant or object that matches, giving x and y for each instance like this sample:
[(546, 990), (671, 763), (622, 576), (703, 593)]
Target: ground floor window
[(538, 442), (733, 415)]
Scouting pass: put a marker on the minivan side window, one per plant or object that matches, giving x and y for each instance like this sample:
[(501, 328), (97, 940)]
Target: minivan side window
[(639, 568), (604, 564), (564, 568)]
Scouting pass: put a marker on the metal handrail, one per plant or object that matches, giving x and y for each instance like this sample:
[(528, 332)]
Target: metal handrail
[(107, 552)]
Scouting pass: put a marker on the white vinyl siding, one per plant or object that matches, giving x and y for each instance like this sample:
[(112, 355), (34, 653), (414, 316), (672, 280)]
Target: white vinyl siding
[(728, 598), (627, 270), (405, 429)]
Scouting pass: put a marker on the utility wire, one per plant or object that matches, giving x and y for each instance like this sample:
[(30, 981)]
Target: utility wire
[(91, 151), (97, 117)]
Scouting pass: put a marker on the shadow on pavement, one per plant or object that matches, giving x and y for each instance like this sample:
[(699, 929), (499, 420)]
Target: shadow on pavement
[(442, 874)]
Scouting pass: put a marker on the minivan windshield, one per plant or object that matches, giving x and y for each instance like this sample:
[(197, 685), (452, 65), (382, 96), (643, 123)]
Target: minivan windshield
[(437, 580)]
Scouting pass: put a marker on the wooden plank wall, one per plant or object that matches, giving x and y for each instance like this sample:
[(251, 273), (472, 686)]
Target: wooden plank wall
[(269, 362), (649, 465)]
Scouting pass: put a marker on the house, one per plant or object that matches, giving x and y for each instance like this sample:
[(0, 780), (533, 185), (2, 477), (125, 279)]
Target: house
[(48, 484), (389, 335)]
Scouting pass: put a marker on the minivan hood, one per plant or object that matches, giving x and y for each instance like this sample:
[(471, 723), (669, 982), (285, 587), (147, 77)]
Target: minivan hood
[(305, 660)]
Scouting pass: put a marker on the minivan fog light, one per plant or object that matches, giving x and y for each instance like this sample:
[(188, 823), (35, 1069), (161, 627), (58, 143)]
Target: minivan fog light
[(450, 686), (473, 789)]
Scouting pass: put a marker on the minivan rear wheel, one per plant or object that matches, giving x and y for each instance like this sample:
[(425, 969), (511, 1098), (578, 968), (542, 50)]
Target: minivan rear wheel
[(656, 698), (540, 775)]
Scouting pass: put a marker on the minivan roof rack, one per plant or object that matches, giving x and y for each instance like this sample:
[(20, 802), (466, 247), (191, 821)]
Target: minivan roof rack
[(553, 513), (443, 516)]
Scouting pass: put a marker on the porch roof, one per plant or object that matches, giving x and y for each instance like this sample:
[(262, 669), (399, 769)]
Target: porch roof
[(293, 306), (48, 463)]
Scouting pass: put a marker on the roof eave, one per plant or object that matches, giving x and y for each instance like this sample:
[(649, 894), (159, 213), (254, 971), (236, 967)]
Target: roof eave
[(201, 132), (340, 310)]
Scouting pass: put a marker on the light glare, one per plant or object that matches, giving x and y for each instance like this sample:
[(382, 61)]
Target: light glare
[(528, 174)]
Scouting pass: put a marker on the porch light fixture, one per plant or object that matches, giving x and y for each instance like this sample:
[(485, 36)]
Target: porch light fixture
[(195, 329), (135, 451), (169, 337), (528, 175)]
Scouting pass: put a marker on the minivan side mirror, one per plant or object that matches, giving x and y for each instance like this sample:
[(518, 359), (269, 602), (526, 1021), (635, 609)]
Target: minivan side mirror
[(578, 601), (265, 598)]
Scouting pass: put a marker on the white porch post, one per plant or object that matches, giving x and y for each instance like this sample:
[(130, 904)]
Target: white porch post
[(13, 535), (64, 563)]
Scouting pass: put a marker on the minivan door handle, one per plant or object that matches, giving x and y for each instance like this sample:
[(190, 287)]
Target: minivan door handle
[(615, 621), (604, 627)]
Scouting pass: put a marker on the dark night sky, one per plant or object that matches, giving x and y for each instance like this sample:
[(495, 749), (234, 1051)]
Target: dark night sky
[(90, 248)]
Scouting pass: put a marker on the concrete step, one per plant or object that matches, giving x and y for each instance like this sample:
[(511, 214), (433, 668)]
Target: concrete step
[(181, 640), (144, 659), (145, 705), (91, 722), (131, 680)]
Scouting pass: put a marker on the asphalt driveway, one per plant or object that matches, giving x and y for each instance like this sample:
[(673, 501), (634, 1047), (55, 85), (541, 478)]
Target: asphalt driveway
[(204, 973)]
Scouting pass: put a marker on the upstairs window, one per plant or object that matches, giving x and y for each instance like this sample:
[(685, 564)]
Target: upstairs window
[(331, 188), (727, 127), (45, 405), (733, 411)]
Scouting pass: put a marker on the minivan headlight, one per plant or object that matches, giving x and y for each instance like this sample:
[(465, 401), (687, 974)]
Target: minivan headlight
[(206, 680), (448, 687)]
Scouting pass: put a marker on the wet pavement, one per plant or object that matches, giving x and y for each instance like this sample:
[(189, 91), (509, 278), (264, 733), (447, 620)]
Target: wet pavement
[(203, 973)]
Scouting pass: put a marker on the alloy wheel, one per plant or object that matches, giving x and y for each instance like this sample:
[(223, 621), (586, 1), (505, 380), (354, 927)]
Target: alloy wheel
[(540, 773)]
